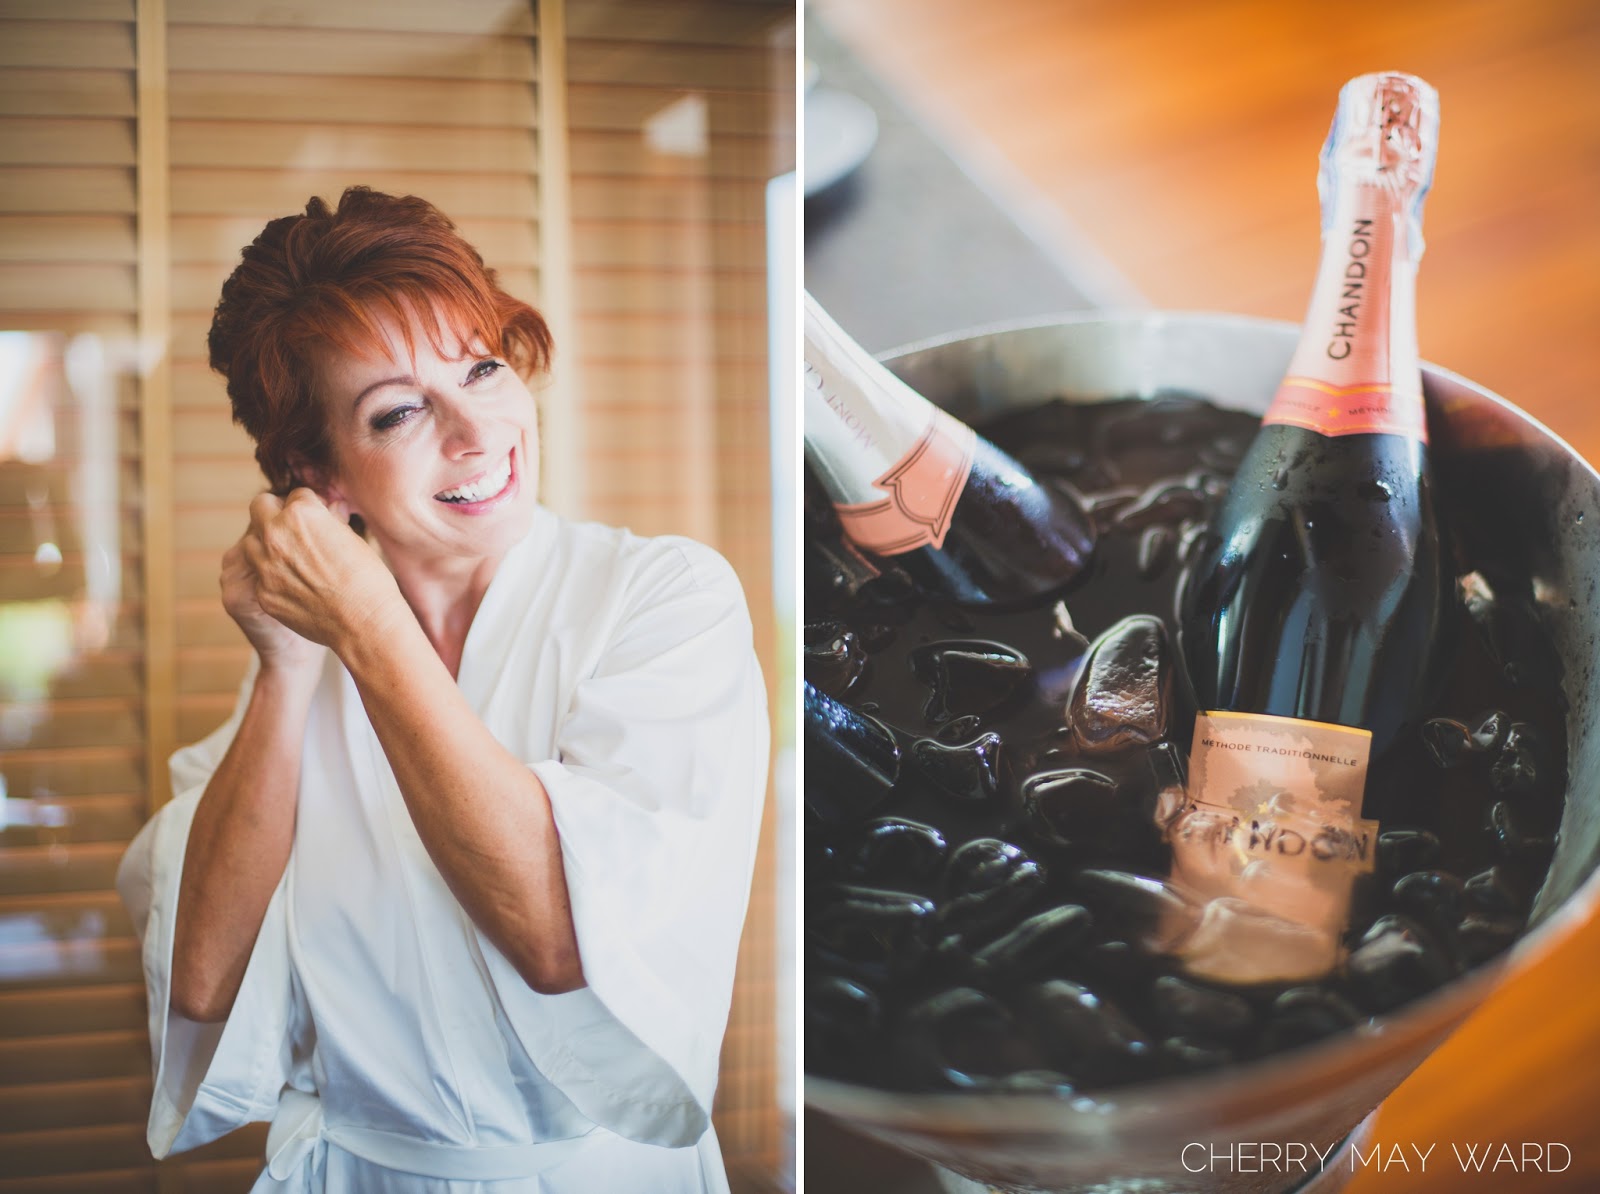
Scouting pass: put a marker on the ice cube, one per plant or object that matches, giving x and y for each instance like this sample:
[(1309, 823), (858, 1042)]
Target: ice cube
[(868, 930), (1515, 770), (1203, 1013), (841, 1013), (1123, 696), (989, 883), (1434, 899), (1038, 945), (1447, 740), (962, 729), (968, 676), (1401, 851), (1162, 503), (892, 852), (1084, 1035), (1152, 912), (1075, 808), (1492, 730), (834, 659), (1302, 1015), (973, 772), (1395, 963), (1238, 942), (961, 1037), (1512, 842), (1105, 506)]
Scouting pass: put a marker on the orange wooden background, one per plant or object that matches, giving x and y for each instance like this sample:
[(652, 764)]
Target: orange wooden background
[(1181, 140)]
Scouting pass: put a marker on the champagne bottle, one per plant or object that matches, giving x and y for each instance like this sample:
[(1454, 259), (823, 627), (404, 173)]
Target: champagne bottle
[(912, 483), (1310, 617)]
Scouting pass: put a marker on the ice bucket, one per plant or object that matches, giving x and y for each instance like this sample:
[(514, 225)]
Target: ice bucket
[(1134, 1138)]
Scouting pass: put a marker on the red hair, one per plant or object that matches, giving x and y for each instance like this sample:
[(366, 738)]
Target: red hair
[(325, 278)]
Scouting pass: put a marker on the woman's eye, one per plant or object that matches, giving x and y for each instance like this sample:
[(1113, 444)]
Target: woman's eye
[(393, 418), (484, 369)]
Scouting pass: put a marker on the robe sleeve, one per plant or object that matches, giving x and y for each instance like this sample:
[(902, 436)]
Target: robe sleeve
[(209, 1078), (657, 788)]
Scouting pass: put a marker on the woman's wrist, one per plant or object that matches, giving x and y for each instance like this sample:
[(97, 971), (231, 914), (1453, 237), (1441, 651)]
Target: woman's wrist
[(368, 641), (289, 673)]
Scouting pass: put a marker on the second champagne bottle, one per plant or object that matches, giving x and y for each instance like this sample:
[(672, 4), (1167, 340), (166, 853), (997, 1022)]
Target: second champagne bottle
[(914, 485)]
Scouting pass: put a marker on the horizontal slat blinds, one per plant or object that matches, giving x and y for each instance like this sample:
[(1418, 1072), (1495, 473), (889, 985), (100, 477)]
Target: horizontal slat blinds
[(677, 116), (74, 1064)]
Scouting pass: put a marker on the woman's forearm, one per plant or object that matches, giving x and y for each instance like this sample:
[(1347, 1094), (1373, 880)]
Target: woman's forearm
[(482, 814), (239, 845)]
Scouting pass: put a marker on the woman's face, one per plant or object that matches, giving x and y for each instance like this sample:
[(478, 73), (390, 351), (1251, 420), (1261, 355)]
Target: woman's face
[(438, 452)]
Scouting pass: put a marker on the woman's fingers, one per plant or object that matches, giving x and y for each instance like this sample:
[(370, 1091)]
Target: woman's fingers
[(250, 546), (264, 507), (309, 571)]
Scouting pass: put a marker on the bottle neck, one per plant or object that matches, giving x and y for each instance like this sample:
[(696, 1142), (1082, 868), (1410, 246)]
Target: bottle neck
[(893, 464), (1356, 367)]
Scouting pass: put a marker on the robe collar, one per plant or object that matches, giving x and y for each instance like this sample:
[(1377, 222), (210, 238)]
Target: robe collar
[(509, 588)]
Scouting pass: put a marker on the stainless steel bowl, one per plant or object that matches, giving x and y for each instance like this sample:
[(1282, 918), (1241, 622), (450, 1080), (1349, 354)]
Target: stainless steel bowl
[(1133, 1139)]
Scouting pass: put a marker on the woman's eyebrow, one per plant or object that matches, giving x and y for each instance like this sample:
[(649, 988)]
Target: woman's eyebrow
[(406, 380)]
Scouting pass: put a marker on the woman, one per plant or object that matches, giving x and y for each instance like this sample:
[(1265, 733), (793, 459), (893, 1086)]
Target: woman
[(453, 898)]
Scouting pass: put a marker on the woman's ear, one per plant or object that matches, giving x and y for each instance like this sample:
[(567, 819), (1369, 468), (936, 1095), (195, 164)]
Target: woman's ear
[(320, 480)]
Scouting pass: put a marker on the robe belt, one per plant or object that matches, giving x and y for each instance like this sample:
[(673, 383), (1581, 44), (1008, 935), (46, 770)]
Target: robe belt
[(299, 1132)]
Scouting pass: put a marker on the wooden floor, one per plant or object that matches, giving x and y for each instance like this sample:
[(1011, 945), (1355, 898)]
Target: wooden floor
[(1181, 140)]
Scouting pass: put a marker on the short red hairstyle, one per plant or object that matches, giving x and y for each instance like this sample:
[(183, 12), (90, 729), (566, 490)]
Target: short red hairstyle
[(323, 279)]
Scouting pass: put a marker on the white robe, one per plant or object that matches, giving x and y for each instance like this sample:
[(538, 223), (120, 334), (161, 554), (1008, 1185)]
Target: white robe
[(390, 1043)]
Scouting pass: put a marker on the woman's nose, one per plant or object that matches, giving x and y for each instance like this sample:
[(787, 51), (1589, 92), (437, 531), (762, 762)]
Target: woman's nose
[(465, 432)]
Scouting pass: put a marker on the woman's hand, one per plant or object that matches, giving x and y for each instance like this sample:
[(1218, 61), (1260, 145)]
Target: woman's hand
[(314, 575), (277, 645)]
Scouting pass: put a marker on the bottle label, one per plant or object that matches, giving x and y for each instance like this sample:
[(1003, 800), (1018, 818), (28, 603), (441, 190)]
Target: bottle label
[(1355, 370), (1272, 832), (895, 465), (921, 489)]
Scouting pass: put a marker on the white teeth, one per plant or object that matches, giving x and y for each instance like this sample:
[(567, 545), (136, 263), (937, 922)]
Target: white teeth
[(484, 487)]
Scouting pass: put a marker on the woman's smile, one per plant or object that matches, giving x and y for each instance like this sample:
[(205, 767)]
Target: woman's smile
[(484, 491)]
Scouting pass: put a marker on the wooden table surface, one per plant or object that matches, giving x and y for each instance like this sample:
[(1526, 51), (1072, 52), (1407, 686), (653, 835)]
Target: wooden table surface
[(1180, 140)]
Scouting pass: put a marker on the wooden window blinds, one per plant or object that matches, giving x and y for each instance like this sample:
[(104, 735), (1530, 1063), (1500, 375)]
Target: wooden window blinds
[(142, 144)]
